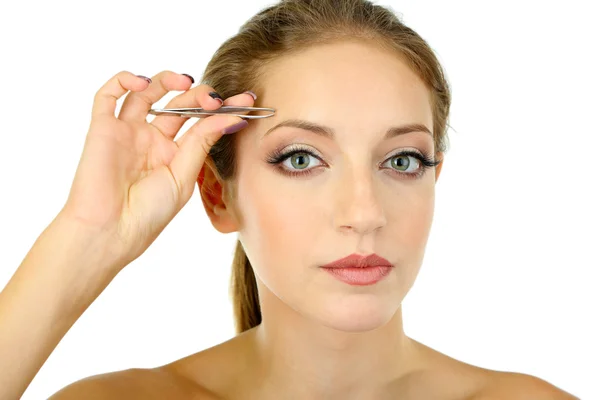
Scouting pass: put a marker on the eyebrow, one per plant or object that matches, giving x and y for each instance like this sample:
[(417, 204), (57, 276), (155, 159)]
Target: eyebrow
[(329, 133)]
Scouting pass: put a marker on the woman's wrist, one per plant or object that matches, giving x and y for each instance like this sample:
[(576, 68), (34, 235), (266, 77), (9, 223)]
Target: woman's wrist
[(92, 250)]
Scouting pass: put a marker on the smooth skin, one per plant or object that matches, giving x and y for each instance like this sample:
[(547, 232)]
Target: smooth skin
[(82, 250)]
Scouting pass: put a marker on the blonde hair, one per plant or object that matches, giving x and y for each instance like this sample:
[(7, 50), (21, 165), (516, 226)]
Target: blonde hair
[(288, 27)]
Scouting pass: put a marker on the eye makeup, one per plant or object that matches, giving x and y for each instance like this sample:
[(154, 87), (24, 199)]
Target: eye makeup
[(411, 157)]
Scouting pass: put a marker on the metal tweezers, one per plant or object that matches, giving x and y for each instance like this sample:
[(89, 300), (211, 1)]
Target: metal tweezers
[(198, 112)]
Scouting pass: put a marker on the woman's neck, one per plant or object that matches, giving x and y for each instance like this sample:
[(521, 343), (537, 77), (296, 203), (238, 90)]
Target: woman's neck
[(291, 351)]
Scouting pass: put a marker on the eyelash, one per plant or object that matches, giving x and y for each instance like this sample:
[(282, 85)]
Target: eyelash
[(277, 157)]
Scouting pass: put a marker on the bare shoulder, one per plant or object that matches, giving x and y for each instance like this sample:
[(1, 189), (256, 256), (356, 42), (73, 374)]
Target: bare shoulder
[(459, 380), (516, 386), (206, 375), (135, 383)]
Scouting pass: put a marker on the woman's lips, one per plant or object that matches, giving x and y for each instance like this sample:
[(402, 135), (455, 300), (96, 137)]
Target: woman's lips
[(356, 260), (360, 276), (359, 270)]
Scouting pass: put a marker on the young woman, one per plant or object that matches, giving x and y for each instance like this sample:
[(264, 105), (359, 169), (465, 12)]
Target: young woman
[(332, 198)]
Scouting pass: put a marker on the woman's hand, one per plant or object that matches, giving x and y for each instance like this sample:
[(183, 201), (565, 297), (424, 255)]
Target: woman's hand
[(133, 178)]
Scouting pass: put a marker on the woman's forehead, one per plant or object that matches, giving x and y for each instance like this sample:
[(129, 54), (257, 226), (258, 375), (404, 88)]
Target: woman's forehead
[(347, 81)]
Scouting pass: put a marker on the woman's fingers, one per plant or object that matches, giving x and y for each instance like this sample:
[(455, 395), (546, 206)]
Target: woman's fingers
[(136, 104), (169, 125), (199, 96), (194, 147), (240, 100), (105, 100)]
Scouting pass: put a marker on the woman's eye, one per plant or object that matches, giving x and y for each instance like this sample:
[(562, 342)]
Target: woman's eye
[(299, 160), (402, 163)]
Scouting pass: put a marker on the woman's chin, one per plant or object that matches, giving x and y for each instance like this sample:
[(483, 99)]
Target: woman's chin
[(357, 316)]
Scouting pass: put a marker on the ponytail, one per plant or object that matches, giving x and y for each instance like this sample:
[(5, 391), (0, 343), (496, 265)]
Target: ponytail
[(244, 292)]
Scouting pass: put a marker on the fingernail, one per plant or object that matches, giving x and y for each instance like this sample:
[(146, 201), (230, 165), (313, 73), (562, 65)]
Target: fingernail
[(216, 96), (191, 77), (235, 128), (251, 93), (145, 77)]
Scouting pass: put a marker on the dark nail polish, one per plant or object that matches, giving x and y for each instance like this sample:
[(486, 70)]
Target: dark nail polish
[(145, 77), (191, 77), (216, 95), (235, 128)]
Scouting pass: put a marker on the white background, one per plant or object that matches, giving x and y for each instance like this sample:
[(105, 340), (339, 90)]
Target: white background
[(510, 278)]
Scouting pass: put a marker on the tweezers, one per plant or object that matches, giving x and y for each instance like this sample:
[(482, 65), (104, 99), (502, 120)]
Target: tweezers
[(198, 112)]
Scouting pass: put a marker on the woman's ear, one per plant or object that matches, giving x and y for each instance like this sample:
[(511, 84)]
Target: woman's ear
[(214, 195)]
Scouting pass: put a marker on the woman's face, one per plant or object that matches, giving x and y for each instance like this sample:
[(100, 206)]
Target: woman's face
[(350, 195)]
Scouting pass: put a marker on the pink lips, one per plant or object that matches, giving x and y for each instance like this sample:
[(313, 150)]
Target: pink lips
[(359, 270)]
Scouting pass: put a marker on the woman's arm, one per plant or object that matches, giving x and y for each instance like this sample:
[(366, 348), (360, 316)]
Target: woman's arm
[(63, 273), (121, 199)]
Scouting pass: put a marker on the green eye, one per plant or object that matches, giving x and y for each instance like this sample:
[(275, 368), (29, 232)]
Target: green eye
[(403, 162), (304, 160)]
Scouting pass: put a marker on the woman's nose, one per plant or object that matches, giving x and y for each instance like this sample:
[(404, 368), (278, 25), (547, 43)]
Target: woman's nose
[(358, 206)]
